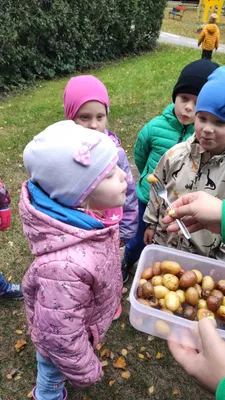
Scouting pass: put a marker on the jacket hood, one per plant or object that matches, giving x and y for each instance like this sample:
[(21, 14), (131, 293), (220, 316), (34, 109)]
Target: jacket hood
[(169, 114), (211, 28), (46, 234)]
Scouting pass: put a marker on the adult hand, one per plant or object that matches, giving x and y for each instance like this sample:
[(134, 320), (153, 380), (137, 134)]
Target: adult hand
[(207, 367), (200, 211), (149, 235)]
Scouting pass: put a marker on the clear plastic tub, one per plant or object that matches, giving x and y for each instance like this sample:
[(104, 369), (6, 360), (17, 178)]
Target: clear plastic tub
[(158, 323)]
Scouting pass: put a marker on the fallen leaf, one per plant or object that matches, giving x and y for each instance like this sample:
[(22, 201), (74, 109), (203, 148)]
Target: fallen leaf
[(9, 278), (159, 355), (104, 363), (21, 155), (123, 325), (124, 352), (130, 347), (151, 338), (9, 377), (111, 382), (141, 355), (20, 344), (112, 355), (13, 372), (143, 349), (120, 363), (125, 374), (99, 346), (176, 392), (10, 243), (128, 298), (30, 395), (124, 290), (19, 332), (104, 353), (17, 378), (151, 389), (148, 355)]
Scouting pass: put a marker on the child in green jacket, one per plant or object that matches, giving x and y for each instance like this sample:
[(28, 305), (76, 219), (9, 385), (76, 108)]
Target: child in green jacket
[(175, 125)]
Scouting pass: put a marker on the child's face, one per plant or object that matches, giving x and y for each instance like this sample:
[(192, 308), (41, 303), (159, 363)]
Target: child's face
[(210, 132), (92, 115), (110, 192), (185, 108)]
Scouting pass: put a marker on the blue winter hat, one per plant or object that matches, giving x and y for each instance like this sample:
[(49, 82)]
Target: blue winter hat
[(212, 96)]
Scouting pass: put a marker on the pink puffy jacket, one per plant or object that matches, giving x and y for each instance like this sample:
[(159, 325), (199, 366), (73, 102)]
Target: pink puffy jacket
[(71, 291)]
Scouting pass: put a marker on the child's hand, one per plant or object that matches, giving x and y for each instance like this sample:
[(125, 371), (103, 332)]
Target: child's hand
[(5, 219), (122, 244), (207, 366), (149, 235)]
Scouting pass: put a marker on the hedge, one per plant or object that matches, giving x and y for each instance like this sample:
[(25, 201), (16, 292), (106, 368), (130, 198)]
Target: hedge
[(48, 38)]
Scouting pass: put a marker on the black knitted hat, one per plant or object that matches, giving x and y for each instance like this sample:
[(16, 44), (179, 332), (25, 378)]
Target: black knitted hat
[(193, 77)]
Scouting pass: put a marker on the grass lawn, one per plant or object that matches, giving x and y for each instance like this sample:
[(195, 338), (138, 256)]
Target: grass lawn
[(188, 25), (139, 89)]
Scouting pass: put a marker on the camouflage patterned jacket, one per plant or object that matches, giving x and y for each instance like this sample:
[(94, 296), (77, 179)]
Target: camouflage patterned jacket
[(187, 168)]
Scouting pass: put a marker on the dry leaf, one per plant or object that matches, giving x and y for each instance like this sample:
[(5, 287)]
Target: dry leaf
[(19, 332), (111, 382), (9, 278), (103, 352), (125, 374), (104, 363), (141, 355), (30, 395), (120, 363), (124, 352), (17, 378), (148, 355), (128, 298), (151, 389), (13, 372), (130, 347), (159, 355), (176, 392), (9, 377), (20, 344), (99, 346), (112, 355), (143, 349), (151, 338), (124, 290), (123, 325)]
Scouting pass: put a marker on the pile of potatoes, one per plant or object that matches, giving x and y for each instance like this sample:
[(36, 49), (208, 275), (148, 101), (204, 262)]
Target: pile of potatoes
[(167, 286)]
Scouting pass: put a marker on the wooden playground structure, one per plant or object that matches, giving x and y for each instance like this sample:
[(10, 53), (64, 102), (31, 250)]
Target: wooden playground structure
[(207, 7)]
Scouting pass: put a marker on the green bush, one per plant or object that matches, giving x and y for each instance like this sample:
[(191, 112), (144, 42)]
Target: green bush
[(48, 38)]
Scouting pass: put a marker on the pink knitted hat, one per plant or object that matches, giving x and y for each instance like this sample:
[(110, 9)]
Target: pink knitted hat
[(81, 89)]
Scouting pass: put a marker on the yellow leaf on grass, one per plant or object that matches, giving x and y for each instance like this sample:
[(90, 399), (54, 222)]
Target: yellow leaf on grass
[(104, 352), (111, 382), (123, 325), (143, 349), (151, 389), (9, 377), (159, 355), (30, 395), (104, 363), (151, 338), (19, 332), (99, 346), (125, 374), (9, 278), (176, 392), (141, 355), (124, 352), (20, 344), (120, 363), (17, 378)]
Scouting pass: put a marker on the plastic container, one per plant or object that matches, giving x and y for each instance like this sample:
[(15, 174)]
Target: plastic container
[(158, 323)]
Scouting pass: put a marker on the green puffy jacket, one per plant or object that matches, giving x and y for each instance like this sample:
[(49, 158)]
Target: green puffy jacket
[(157, 136)]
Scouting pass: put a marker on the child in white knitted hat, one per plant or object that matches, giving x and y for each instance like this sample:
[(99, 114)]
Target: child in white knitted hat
[(70, 209)]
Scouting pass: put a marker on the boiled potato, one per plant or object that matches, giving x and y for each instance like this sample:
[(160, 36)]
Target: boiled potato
[(147, 290), (221, 313), (202, 303), (221, 285), (170, 281), (144, 301), (162, 303), (160, 291), (156, 268), (157, 280), (213, 303), (170, 267), (162, 328), (208, 283), (181, 295), (191, 296), (188, 279), (199, 289), (172, 301), (152, 178), (147, 273), (198, 274), (142, 281), (204, 312), (189, 313)]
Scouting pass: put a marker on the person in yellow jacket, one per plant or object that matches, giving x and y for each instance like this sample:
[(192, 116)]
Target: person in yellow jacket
[(209, 37)]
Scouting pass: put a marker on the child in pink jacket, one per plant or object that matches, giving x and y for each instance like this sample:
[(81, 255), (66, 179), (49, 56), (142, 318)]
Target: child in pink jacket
[(86, 102), (71, 208)]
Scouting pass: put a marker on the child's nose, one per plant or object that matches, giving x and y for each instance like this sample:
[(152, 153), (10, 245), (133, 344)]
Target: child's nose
[(189, 106), (93, 124), (123, 175), (208, 128)]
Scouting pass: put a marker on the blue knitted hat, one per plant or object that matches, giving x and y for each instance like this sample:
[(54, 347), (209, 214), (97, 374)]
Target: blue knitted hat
[(212, 96)]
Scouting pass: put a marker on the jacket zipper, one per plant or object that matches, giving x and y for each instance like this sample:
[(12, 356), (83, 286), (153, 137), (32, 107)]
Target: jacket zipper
[(184, 129)]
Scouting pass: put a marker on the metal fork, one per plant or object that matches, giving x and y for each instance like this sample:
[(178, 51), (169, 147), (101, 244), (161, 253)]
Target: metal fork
[(161, 191)]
